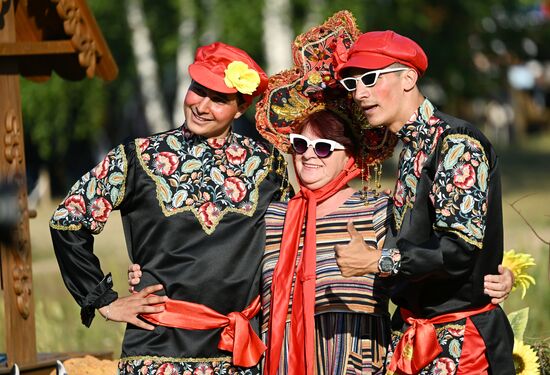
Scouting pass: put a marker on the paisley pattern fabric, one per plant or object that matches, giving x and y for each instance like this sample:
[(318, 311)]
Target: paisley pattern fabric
[(419, 135), (173, 366), (459, 190), (208, 178), (92, 198), (450, 337)]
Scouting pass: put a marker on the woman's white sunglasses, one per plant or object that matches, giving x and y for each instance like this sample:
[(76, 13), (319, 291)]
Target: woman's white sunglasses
[(368, 79), (322, 147)]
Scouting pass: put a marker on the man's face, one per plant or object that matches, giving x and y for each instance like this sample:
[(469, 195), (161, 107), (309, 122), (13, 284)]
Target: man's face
[(209, 113), (380, 102)]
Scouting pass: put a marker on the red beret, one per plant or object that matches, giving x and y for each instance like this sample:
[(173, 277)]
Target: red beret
[(378, 49), (211, 64)]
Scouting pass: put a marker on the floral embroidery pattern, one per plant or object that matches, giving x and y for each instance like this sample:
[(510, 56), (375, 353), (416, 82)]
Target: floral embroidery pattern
[(420, 135), (92, 198), (459, 191), (206, 177), (167, 366), (450, 338)]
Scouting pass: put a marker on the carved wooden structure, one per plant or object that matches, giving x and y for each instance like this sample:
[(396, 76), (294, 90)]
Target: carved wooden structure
[(37, 37)]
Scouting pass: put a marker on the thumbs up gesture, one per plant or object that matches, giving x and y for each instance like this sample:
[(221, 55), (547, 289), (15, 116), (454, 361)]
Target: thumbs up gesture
[(356, 258)]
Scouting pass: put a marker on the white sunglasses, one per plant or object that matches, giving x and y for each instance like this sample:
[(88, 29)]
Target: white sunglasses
[(368, 79), (322, 147)]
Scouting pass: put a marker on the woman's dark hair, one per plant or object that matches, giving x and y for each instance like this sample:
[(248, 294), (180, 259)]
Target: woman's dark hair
[(329, 125)]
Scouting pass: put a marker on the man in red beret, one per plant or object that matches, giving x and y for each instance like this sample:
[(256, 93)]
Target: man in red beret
[(192, 201), (446, 232)]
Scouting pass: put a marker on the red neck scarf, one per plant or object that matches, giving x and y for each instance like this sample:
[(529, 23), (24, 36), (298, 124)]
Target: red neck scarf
[(302, 336)]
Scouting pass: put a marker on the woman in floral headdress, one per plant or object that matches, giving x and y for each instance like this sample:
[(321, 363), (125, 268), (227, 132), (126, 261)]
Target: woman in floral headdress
[(315, 320), (192, 202)]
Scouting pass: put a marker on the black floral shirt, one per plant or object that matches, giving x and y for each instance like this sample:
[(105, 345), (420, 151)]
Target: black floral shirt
[(208, 179), (448, 228), (459, 190), (193, 215)]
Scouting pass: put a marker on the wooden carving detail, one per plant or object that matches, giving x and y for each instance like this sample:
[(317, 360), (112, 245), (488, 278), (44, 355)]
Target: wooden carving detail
[(23, 287), (23, 244), (12, 138), (22, 273), (14, 155), (80, 33)]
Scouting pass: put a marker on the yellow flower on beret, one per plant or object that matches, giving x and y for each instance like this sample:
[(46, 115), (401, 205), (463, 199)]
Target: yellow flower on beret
[(239, 76)]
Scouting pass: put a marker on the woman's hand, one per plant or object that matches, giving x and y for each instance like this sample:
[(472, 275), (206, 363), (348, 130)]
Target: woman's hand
[(499, 286), (127, 309), (134, 276)]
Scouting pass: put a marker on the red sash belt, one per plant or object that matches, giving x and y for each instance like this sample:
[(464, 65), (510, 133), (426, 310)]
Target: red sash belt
[(237, 335), (419, 345)]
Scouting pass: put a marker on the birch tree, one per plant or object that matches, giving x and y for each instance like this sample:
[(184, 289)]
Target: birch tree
[(315, 15), (187, 31), (211, 32), (277, 35), (185, 56), (147, 68)]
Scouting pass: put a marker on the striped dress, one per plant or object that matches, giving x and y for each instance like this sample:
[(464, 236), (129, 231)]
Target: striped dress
[(351, 314)]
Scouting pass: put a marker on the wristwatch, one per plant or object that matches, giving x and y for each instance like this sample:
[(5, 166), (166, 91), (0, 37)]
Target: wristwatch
[(389, 262)]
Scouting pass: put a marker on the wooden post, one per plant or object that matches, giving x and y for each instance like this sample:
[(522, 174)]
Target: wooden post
[(16, 258), (77, 52)]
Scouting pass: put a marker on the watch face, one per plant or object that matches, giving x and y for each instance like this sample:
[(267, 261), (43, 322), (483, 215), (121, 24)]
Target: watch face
[(386, 264)]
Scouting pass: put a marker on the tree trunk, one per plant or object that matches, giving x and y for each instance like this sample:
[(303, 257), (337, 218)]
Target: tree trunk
[(315, 15), (186, 50), (277, 35), (147, 68), (185, 56), (211, 32)]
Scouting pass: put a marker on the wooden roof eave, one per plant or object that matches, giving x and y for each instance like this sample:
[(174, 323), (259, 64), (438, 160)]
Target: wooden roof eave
[(61, 36)]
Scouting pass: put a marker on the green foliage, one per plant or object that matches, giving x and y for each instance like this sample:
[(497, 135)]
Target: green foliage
[(59, 112), (543, 353), (451, 32), (537, 298), (122, 95), (242, 25), (518, 320), (163, 21)]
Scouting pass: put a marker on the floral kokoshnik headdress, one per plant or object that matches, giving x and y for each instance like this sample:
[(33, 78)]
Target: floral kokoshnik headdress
[(311, 86)]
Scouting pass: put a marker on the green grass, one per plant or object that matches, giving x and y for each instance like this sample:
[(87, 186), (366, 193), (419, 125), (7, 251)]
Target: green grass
[(526, 184), (526, 173), (58, 326)]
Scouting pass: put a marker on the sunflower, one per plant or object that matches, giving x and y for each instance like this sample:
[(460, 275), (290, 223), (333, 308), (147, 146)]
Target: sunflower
[(525, 359), (518, 263)]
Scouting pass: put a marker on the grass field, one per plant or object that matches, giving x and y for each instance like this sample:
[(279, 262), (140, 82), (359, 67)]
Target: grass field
[(526, 174)]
